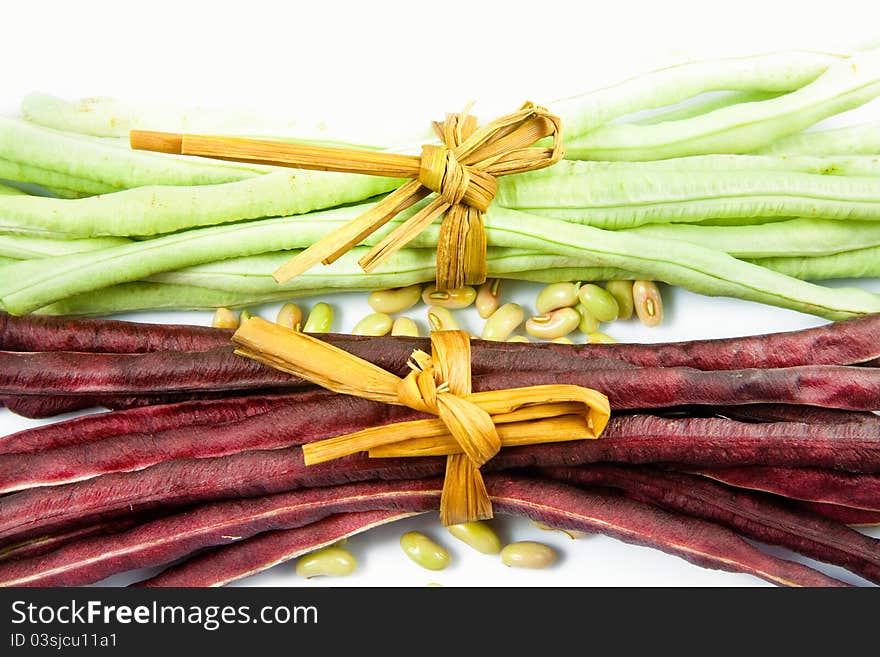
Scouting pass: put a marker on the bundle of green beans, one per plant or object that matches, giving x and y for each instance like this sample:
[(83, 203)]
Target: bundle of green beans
[(699, 175)]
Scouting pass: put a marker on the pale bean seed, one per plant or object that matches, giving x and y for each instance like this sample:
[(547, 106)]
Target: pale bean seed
[(454, 299), (479, 535), (224, 318), (395, 300), (622, 291), (374, 324), (556, 295), (648, 303), (244, 316), (555, 324), (488, 297), (320, 319), (423, 551), (517, 338), (588, 324), (440, 319), (528, 554), (503, 322), (599, 338), (599, 302), (562, 340), (290, 316), (405, 326), (573, 534), (330, 561), (433, 585)]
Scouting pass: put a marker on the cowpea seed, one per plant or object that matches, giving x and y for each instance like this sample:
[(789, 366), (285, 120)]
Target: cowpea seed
[(330, 561), (405, 326), (454, 299), (562, 340), (488, 297), (599, 338), (319, 319), (555, 324), (244, 316), (440, 319), (517, 338), (573, 534), (423, 551), (622, 291), (648, 302), (478, 535), (528, 554), (395, 300), (598, 301), (291, 316), (588, 323), (503, 322), (224, 318), (374, 324), (556, 295)]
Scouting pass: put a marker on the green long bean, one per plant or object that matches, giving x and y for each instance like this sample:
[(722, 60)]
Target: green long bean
[(852, 140), (703, 104), (23, 247), (858, 263), (792, 238), (740, 128), (25, 173)]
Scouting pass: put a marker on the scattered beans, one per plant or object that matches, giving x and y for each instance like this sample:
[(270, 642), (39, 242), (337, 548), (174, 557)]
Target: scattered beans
[(588, 323), (557, 295), (405, 326), (599, 302), (244, 316), (374, 324), (440, 319), (290, 316), (454, 299), (224, 318), (648, 302), (479, 535), (599, 338), (320, 319), (562, 340), (528, 554), (503, 322), (517, 338), (555, 324), (423, 551), (488, 297), (395, 300), (330, 561), (622, 291)]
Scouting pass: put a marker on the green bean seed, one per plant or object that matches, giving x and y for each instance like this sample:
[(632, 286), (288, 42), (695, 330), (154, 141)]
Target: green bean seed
[(395, 300), (405, 326), (488, 297), (423, 551), (244, 316), (291, 316), (599, 338), (557, 295), (528, 554), (648, 302), (622, 291), (224, 318), (517, 338), (454, 299), (440, 319), (503, 322), (588, 323), (320, 319), (479, 535), (374, 324), (599, 302), (562, 340), (555, 324), (330, 561)]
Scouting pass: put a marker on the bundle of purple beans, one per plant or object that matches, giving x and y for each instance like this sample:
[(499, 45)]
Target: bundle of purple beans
[(770, 438)]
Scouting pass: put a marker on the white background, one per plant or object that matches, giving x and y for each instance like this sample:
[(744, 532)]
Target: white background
[(354, 63)]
